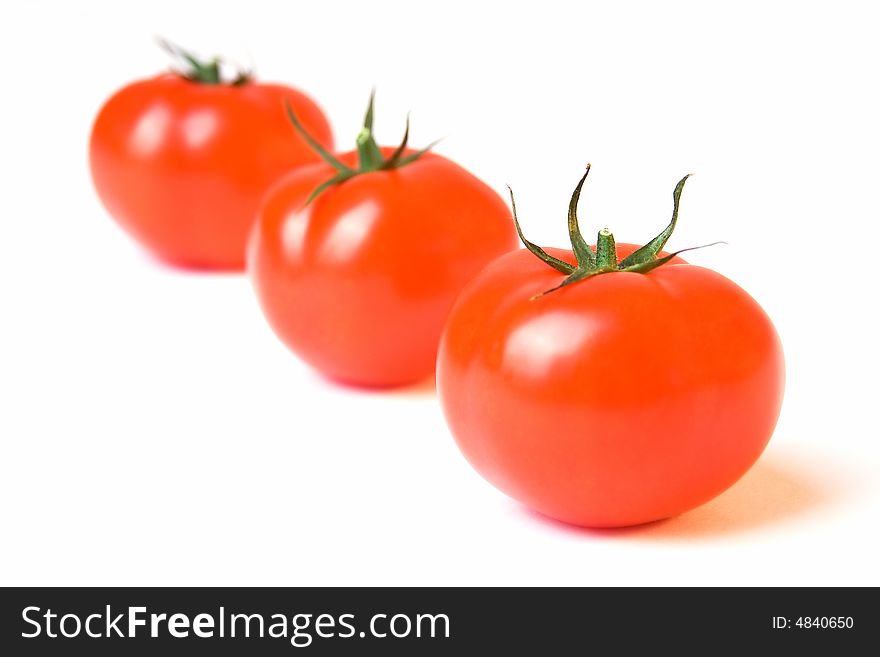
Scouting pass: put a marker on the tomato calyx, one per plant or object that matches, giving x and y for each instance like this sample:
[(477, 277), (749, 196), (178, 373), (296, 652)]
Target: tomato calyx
[(370, 156), (203, 71), (604, 259)]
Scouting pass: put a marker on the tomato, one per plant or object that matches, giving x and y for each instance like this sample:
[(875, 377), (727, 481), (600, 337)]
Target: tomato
[(182, 162), (616, 399), (358, 280)]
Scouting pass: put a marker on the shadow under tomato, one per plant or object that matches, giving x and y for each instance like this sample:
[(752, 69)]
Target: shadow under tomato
[(774, 491), (426, 387), (167, 266)]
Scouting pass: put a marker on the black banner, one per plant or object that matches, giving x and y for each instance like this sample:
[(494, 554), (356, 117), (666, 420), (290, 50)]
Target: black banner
[(439, 621)]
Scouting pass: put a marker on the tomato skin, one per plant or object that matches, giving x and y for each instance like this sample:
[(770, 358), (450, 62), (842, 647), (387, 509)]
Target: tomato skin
[(182, 166), (618, 400), (359, 282)]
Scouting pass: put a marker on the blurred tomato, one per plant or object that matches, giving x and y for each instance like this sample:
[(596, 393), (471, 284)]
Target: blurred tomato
[(181, 161), (358, 278)]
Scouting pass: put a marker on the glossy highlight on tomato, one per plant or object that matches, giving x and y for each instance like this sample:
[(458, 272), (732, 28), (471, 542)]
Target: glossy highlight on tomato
[(358, 281), (617, 399), (182, 163)]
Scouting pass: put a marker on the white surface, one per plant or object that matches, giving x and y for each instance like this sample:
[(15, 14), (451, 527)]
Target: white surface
[(153, 430)]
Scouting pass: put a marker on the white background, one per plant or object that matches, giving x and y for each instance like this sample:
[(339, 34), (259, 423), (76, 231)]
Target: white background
[(153, 430)]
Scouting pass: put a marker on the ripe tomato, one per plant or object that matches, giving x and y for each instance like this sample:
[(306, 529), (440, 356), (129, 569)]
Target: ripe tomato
[(358, 280), (181, 162), (617, 399)]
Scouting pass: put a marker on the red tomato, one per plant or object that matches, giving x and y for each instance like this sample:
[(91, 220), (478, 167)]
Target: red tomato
[(359, 282), (617, 400), (182, 164)]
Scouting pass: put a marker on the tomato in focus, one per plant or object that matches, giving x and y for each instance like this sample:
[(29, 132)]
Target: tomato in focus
[(615, 400)]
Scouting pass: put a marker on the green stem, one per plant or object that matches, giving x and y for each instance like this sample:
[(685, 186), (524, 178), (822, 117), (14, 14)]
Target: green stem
[(369, 155), (606, 251), (209, 73)]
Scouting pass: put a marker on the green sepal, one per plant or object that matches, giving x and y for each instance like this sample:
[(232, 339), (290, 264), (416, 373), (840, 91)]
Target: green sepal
[(645, 267), (313, 143), (556, 263), (412, 157), (392, 161), (335, 180), (574, 277), (203, 71), (582, 252), (370, 156), (652, 248)]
